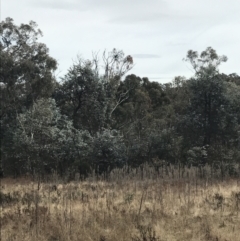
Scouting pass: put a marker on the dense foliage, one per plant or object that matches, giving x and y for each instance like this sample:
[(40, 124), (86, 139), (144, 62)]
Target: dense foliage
[(97, 119)]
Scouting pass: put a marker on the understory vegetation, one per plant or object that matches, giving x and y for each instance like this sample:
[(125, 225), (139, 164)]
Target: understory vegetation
[(142, 204)]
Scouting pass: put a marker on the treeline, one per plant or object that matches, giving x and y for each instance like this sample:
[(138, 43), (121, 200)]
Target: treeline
[(98, 118)]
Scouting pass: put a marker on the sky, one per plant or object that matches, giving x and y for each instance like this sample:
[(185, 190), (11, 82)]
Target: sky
[(157, 33)]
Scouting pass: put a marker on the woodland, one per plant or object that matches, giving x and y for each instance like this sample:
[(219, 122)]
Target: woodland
[(98, 117)]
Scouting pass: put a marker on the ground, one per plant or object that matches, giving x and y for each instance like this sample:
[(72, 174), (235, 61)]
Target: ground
[(126, 207)]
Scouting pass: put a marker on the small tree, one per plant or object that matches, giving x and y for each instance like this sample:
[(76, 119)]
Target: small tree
[(109, 150), (44, 139)]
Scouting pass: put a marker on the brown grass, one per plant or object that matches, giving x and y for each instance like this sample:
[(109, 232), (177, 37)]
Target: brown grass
[(127, 207)]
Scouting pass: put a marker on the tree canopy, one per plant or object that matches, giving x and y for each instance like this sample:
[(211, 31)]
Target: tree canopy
[(98, 119)]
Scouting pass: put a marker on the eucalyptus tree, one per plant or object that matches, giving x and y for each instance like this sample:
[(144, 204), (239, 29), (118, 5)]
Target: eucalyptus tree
[(211, 118), (46, 140), (81, 97), (27, 70), (90, 98), (26, 74), (207, 100), (88, 92)]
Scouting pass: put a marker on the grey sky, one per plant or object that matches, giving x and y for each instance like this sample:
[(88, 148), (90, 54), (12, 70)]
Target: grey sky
[(157, 33)]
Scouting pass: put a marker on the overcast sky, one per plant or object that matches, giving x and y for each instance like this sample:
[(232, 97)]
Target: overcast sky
[(156, 33)]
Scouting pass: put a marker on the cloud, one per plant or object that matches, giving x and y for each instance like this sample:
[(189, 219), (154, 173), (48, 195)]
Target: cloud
[(57, 5), (134, 17), (103, 5), (173, 44), (165, 27), (146, 56)]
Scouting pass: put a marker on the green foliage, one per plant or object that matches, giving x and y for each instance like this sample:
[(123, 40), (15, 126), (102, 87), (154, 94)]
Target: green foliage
[(26, 74), (206, 64), (82, 97), (197, 155), (109, 150), (98, 119), (44, 139), (211, 117), (26, 67)]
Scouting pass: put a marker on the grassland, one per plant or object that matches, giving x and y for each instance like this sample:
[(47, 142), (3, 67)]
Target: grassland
[(127, 206)]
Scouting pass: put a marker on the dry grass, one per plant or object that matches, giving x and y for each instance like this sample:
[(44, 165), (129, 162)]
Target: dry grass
[(129, 206)]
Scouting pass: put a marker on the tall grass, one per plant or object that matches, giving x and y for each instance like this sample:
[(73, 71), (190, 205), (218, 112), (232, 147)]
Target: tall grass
[(144, 204)]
